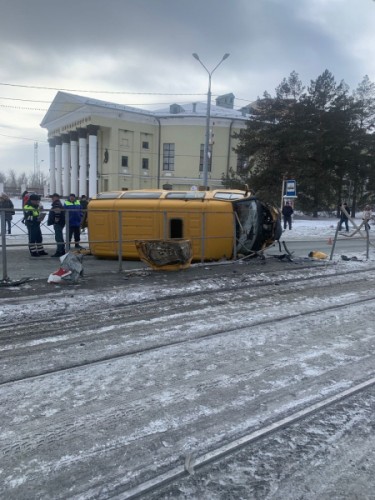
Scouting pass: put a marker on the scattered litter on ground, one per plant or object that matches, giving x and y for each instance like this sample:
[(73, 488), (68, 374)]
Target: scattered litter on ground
[(284, 256), (71, 269), (344, 257), (316, 254), (9, 282)]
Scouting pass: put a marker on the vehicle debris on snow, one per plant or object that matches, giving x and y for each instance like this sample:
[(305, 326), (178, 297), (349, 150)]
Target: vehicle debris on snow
[(71, 269), (166, 255), (316, 254)]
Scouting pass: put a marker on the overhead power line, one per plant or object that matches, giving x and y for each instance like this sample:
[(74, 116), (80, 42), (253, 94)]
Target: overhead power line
[(23, 100), (109, 91), (23, 138), (116, 104), (92, 91), (21, 107)]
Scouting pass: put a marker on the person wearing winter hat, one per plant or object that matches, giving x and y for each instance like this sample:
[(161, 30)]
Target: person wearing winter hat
[(33, 219), (56, 218), (74, 212), (287, 212), (84, 203), (7, 204)]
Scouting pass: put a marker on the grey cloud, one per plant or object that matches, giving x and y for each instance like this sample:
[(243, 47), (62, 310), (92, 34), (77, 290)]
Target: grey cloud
[(114, 23), (157, 37), (146, 46)]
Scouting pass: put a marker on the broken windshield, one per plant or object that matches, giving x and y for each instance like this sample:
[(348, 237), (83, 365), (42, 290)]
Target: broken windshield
[(247, 225)]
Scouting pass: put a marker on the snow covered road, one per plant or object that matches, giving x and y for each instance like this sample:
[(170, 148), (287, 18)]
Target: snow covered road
[(127, 384)]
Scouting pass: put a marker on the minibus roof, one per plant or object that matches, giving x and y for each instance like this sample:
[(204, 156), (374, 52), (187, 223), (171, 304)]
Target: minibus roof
[(153, 194)]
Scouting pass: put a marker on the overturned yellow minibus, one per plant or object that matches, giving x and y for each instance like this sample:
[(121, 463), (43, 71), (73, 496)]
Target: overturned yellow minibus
[(220, 224)]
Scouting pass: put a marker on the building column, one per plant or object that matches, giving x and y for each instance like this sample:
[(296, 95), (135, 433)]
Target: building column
[(82, 142), (93, 160), (65, 155), (74, 160), (58, 165), (52, 166)]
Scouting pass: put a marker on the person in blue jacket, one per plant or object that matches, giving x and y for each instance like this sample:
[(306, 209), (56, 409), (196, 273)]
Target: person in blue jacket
[(74, 212)]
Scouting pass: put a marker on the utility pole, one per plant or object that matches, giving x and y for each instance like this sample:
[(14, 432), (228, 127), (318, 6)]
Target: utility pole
[(207, 154), (36, 164), (282, 191)]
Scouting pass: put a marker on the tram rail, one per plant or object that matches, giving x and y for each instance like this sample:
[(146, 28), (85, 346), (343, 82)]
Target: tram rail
[(23, 340), (193, 464), (109, 376), (220, 286)]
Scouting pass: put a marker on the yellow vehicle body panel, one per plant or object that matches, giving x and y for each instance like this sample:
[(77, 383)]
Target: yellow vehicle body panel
[(219, 224), (208, 223)]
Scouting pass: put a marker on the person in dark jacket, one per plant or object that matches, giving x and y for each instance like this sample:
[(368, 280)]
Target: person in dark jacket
[(367, 216), (74, 212), (33, 218), (84, 203), (56, 218), (7, 204), (344, 217), (287, 212)]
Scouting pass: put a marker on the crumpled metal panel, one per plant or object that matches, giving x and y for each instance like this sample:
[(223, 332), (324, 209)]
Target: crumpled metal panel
[(165, 255)]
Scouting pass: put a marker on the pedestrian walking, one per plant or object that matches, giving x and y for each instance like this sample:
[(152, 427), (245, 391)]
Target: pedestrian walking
[(33, 218), (84, 203), (287, 212), (367, 216), (7, 204), (56, 218), (74, 212), (344, 217)]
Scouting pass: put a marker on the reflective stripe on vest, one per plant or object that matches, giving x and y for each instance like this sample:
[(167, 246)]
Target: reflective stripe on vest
[(31, 208)]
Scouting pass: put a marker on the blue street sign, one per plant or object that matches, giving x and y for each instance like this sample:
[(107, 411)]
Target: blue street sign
[(290, 189)]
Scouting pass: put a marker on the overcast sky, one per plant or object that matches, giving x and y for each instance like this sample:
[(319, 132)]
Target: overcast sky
[(146, 46)]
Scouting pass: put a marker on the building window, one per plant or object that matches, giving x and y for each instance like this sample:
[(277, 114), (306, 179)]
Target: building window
[(145, 163), (145, 145), (168, 156), (201, 156), (124, 161)]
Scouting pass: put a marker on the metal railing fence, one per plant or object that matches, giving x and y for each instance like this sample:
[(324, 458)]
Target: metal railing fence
[(120, 241)]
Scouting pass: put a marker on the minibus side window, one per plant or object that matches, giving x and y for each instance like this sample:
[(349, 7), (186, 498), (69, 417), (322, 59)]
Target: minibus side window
[(176, 228), (141, 195)]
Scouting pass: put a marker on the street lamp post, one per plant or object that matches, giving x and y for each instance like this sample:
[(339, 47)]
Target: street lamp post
[(208, 117)]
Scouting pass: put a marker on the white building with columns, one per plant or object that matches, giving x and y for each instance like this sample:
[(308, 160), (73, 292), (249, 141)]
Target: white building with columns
[(99, 146)]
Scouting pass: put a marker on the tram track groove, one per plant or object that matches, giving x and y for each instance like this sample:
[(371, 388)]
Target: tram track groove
[(193, 463), (128, 308), (229, 380), (243, 281), (201, 336)]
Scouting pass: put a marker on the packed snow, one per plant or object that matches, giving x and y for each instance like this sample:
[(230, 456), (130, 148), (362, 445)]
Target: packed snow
[(128, 384)]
